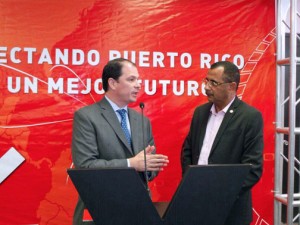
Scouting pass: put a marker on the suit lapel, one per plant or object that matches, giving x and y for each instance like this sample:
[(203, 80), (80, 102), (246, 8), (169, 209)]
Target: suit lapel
[(110, 116), (228, 116)]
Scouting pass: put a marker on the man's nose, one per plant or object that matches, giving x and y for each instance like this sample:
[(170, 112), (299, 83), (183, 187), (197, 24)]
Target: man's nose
[(207, 86)]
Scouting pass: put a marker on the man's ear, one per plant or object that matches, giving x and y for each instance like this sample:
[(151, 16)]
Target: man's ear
[(112, 83), (233, 86)]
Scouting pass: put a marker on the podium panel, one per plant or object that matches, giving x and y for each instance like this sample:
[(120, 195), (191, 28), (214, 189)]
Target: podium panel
[(206, 195), (117, 196), (114, 196)]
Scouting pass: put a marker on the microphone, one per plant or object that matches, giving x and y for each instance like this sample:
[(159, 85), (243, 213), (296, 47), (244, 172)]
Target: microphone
[(142, 106)]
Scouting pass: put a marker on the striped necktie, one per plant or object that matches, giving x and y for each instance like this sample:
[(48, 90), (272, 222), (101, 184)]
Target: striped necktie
[(122, 113)]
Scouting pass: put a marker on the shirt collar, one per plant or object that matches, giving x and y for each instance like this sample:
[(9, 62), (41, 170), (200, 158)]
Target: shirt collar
[(114, 105), (213, 108)]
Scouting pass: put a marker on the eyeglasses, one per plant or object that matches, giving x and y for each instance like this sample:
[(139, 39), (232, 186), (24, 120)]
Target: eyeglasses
[(212, 83)]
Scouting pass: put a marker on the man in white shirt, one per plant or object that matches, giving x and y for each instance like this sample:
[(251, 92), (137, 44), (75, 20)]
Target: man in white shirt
[(226, 131)]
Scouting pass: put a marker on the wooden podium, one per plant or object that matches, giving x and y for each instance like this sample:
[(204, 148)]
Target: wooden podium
[(118, 197)]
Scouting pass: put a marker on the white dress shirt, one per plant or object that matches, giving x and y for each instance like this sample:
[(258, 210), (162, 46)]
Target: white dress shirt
[(115, 108), (213, 125)]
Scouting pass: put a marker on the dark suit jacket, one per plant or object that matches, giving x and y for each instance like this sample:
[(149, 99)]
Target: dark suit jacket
[(239, 140), (98, 140)]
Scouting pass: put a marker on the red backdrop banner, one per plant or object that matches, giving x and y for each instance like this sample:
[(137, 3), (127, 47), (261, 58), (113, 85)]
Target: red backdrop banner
[(51, 57)]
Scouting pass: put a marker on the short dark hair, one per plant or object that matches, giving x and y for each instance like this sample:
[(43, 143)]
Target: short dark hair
[(231, 71), (113, 69)]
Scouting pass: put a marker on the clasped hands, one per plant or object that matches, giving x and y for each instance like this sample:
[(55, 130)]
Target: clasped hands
[(154, 162)]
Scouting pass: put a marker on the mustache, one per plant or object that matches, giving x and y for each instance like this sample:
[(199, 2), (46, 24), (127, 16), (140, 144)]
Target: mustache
[(208, 93)]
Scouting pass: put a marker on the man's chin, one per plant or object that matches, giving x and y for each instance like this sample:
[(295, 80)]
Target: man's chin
[(133, 99)]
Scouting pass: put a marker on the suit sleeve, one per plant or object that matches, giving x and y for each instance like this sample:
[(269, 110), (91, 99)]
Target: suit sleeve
[(186, 154), (186, 150), (253, 150), (85, 152), (150, 141)]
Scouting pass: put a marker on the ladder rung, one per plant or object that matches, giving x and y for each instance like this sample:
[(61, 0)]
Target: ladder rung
[(286, 61), (283, 199), (296, 203), (296, 195), (283, 62), (282, 130), (286, 130)]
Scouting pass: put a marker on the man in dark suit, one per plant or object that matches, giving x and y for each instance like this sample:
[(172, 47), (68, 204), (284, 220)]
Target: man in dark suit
[(109, 134), (226, 131)]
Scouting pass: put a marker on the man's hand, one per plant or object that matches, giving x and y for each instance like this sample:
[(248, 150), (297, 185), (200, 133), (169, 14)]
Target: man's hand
[(155, 162)]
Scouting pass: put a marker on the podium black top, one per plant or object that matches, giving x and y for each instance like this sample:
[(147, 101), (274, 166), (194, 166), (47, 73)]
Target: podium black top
[(117, 196)]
